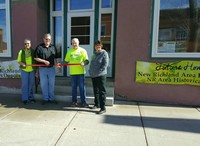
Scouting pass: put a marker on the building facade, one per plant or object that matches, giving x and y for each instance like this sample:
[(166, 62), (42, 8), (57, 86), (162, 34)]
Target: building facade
[(156, 31)]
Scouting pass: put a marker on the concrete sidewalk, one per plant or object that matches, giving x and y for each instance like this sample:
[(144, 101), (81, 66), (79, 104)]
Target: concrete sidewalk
[(124, 124)]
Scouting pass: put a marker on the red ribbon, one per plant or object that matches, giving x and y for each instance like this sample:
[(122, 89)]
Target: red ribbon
[(64, 64), (68, 64)]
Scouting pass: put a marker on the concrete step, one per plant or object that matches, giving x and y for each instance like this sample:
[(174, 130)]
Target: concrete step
[(67, 91), (63, 91), (59, 97), (88, 82), (66, 98)]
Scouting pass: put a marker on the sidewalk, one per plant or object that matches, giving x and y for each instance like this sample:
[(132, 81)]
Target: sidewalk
[(124, 124)]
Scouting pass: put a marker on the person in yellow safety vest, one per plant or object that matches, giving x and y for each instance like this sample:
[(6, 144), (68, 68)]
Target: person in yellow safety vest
[(77, 55), (26, 56)]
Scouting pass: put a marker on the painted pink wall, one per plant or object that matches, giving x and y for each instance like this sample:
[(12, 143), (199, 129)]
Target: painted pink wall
[(133, 44), (29, 20)]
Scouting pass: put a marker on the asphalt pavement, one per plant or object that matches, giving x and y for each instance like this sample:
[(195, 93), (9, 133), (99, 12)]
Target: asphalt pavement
[(124, 124)]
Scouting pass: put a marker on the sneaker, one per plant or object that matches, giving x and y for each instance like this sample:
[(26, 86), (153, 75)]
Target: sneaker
[(74, 104), (94, 107), (101, 111), (85, 105), (25, 102)]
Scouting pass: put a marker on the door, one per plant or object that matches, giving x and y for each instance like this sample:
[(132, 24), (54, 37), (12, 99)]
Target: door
[(81, 26)]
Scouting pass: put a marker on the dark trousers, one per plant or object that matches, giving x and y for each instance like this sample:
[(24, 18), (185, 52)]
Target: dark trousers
[(99, 91)]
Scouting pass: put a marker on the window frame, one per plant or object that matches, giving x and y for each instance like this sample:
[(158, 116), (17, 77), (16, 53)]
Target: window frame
[(154, 37), (6, 6)]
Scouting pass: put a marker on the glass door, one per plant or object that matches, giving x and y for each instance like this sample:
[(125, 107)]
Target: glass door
[(81, 26)]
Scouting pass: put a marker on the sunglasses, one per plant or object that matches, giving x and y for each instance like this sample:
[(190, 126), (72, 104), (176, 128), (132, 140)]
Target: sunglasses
[(26, 43), (47, 39)]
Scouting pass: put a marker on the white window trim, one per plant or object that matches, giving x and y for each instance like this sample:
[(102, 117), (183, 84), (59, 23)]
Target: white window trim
[(8, 31), (154, 46)]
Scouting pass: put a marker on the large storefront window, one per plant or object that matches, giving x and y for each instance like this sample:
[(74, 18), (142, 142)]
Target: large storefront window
[(5, 49), (176, 29)]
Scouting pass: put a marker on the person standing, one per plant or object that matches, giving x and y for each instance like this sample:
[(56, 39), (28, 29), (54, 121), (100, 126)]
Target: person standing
[(77, 55), (46, 56), (25, 57), (98, 72)]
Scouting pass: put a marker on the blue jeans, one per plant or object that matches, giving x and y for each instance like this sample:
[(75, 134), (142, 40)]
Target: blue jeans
[(47, 81), (28, 79), (78, 80)]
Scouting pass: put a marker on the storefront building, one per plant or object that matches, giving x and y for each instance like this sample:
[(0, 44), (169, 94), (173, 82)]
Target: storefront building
[(154, 31)]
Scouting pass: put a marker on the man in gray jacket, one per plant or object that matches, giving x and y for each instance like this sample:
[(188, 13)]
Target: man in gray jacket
[(98, 72)]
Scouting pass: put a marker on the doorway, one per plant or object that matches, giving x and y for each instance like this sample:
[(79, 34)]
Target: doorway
[(81, 26)]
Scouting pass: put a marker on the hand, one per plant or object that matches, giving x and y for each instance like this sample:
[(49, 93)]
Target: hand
[(46, 63), (82, 64), (58, 65), (57, 69)]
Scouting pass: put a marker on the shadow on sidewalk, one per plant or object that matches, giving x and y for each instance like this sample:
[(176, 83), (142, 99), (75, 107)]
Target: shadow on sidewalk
[(14, 101), (174, 124)]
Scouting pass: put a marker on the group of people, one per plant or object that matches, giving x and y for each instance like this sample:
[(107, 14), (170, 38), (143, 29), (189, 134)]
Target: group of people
[(45, 59)]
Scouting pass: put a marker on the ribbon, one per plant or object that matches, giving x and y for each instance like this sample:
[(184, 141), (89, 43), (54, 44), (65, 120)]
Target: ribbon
[(64, 64), (68, 64)]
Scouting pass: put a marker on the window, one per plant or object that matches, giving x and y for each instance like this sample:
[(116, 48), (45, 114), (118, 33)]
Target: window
[(106, 25), (5, 48), (57, 24), (80, 4), (80, 28), (57, 29), (106, 4), (56, 16), (176, 29), (106, 30), (57, 5)]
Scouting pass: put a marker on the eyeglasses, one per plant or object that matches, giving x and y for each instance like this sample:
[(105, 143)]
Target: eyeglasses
[(47, 39), (26, 43)]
